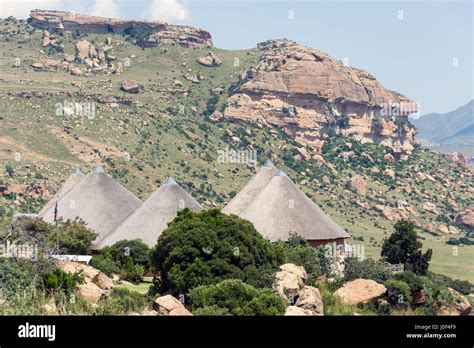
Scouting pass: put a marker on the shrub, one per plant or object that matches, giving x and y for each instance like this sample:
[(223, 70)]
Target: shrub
[(398, 293), (209, 246), (105, 264), (463, 286), (313, 260), (58, 280), (133, 272), (135, 249), (367, 269), (15, 277), (73, 237), (131, 301), (414, 282), (237, 298), (211, 311), (404, 247)]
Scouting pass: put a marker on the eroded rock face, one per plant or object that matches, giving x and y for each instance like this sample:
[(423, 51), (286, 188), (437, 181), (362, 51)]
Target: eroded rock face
[(61, 21), (360, 290), (310, 94)]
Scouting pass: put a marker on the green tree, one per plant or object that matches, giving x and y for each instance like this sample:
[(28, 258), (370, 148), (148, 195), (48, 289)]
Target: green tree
[(72, 236), (209, 246), (135, 249), (404, 247)]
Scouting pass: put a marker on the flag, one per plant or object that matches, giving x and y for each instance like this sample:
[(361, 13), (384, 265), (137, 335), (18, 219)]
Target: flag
[(56, 211)]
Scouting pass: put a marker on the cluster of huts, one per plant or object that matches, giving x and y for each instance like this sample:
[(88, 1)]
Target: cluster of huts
[(270, 200)]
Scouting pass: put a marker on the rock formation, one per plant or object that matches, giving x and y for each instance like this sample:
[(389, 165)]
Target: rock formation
[(169, 306), (158, 31), (310, 94), (360, 290)]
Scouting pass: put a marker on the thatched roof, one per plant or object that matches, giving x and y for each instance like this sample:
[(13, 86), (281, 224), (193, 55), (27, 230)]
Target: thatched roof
[(75, 177), (152, 217), (251, 190), (97, 199), (281, 208)]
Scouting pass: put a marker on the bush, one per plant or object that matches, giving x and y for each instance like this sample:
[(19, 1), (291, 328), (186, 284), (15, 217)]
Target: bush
[(105, 264), (211, 311), (131, 301), (398, 293), (237, 298), (313, 260), (61, 281), (414, 282), (124, 249), (74, 237), (209, 246), (133, 272), (15, 277), (367, 269), (463, 286), (404, 247)]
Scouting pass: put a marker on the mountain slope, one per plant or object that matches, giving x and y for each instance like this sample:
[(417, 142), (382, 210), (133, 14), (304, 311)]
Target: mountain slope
[(54, 120), (456, 126)]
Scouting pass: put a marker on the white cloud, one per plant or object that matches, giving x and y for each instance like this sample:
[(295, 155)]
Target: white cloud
[(105, 8), (21, 9), (168, 10)]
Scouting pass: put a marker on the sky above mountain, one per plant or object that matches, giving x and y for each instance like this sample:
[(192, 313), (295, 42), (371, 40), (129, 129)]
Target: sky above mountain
[(419, 48)]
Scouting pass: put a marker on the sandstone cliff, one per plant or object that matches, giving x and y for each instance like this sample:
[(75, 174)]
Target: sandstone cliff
[(310, 94), (158, 31)]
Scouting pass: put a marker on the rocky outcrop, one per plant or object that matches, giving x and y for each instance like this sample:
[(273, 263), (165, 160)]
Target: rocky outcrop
[(360, 290), (310, 95), (210, 60), (97, 285), (159, 31), (169, 306), (459, 306), (309, 299), (466, 218), (357, 184), (289, 280)]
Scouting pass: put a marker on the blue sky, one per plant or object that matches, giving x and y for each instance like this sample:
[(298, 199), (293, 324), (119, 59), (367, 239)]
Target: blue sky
[(423, 49)]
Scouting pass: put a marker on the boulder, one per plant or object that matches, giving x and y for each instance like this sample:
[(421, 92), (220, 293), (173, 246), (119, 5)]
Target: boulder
[(461, 305), (37, 66), (97, 284), (293, 310), (309, 298), (357, 184), (91, 292), (289, 280), (130, 86), (51, 63), (170, 306), (303, 153), (466, 218), (326, 180), (360, 290), (84, 49), (210, 60), (75, 71), (390, 172), (430, 207)]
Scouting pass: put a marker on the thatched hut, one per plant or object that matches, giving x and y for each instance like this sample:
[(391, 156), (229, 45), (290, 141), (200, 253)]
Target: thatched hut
[(152, 217), (75, 177), (280, 209), (252, 189), (97, 199)]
